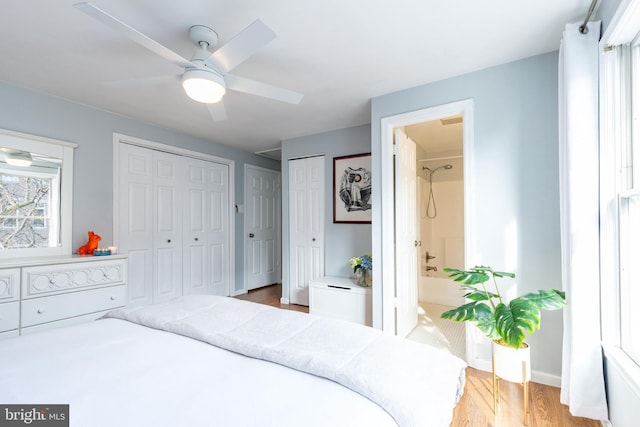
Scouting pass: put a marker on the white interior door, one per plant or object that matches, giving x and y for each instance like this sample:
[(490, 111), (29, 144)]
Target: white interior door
[(167, 220), (306, 226), (262, 227), (174, 222), (218, 229), (135, 219), (195, 266), (406, 279)]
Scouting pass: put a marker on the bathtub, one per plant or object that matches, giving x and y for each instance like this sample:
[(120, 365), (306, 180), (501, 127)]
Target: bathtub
[(437, 288)]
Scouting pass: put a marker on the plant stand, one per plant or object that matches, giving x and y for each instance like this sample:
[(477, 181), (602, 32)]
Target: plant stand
[(514, 366)]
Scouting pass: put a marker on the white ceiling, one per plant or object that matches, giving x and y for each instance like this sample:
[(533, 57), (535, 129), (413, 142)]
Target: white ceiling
[(339, 54)]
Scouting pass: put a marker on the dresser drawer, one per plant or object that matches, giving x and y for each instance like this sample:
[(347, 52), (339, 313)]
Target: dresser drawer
[(48, 309), (85, 318), (9, 284), (9, 316), (52, 279)]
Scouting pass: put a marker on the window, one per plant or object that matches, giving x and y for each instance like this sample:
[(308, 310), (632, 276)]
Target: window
[(29, 204), (629, 207), (620, 189), (36, 192)]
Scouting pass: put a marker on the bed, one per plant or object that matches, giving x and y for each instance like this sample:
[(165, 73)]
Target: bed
[(217, 361)]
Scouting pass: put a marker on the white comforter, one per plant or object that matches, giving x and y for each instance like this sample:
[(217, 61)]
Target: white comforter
[(116, 373), (417, 384)]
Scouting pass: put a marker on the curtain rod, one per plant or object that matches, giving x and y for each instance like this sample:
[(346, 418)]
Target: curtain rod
[(583, 28)]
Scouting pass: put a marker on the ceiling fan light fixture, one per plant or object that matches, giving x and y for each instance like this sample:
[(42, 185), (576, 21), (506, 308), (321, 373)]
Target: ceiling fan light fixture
[(203, 85), (19, 158)]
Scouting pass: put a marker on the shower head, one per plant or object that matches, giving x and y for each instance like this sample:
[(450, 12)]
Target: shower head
[(438, 168)]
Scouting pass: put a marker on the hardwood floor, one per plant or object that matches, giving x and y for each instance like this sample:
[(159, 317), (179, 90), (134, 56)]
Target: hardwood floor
[(475, 409), (270, 295)]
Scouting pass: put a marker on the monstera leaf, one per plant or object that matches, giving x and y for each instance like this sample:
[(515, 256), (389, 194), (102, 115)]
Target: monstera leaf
[(551, 299), (510, 323), (514, 320), (478, 312)]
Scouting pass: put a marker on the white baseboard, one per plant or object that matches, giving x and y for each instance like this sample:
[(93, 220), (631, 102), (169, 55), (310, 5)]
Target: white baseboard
[(284, 300), (536, 376), (606, 423), (240, 292)]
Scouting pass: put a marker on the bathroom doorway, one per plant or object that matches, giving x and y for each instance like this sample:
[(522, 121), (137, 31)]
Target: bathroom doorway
[(442, 165), (440, 226)]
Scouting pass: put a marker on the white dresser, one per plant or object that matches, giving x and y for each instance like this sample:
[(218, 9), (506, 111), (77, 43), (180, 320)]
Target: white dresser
[(340, 298), (48, 292)]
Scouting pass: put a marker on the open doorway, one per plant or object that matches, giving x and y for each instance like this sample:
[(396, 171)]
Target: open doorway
[(392, 216), (440, 228)]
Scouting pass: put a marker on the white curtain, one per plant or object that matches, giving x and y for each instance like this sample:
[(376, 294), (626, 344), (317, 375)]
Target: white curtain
[(582, 369)]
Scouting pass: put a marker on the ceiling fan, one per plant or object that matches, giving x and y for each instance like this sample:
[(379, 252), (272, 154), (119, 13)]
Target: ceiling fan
[(206, 75)]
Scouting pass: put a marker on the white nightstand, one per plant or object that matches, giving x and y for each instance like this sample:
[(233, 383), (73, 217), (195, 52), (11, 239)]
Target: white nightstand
[(340, 298)]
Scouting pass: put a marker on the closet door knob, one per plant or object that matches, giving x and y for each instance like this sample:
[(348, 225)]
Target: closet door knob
[(313, 240), (195, 238), (168, 240), (252, 235)]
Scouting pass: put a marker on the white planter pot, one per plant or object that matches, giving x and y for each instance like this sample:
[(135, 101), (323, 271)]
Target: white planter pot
[(508, 363)]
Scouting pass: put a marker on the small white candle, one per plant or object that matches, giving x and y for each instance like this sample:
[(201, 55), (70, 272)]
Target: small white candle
[(113, 249)]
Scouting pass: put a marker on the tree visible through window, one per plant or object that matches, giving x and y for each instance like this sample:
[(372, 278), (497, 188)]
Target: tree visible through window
[(27, 203)]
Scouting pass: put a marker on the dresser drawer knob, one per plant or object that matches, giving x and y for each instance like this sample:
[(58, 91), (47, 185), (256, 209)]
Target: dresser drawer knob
[(40, 310), (113, 298)]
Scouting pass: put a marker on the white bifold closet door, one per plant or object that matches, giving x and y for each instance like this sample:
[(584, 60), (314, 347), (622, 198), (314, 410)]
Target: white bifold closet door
[(206, 228), (306, 226), (173, 222)]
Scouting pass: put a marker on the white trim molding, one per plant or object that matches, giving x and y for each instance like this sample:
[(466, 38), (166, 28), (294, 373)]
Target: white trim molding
[(54, 148), (624, 24)]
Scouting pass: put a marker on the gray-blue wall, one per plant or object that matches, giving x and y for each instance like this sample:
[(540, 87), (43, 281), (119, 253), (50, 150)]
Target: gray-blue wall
[(516, 196), (92, 129), (606, 10), (342, 241)]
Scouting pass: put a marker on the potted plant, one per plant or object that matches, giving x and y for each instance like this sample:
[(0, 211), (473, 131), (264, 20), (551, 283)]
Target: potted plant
[(506, 324), (362, 269)]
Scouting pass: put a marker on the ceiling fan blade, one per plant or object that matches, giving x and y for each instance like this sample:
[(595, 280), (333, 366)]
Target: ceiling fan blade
[(217, 111), (143, 81), (242, 46), (131, 33), (253, 87)]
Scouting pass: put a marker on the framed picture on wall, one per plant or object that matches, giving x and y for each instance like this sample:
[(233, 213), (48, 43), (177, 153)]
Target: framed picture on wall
[(352, 189)]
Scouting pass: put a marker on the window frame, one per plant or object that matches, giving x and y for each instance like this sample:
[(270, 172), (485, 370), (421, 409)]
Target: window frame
[(617, 129), (53, 148)]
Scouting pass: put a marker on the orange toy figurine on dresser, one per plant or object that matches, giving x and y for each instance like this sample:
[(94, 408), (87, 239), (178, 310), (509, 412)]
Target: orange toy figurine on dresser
[(91, 245)]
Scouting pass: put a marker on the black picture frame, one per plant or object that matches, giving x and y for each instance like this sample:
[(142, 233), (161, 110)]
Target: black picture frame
[(352, 189)]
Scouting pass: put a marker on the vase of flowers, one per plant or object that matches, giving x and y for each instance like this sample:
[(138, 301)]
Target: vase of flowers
[(362, 269)]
